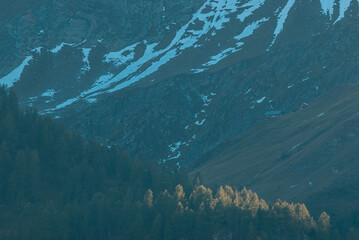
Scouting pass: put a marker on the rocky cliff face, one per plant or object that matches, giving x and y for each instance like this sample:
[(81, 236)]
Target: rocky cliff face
[(174, 79)]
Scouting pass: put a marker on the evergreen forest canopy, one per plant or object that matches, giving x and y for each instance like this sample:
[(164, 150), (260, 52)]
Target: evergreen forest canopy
[(53, 185)]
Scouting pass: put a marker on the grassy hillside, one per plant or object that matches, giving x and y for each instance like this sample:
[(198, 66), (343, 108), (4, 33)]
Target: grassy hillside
[(310, 155)]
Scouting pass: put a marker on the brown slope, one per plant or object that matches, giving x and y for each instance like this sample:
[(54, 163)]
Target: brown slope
[(311, 155)]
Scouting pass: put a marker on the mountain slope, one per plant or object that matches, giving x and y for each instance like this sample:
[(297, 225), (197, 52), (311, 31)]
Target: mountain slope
[(198, 112), (217, 30), (55, 186), (140, 82), (310, 155)]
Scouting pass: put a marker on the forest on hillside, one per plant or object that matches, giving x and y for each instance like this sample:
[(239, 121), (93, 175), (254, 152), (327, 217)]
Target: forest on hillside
[(54, 185)]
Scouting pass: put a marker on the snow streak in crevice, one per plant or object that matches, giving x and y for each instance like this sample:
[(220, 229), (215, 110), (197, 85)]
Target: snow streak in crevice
[(37, 50), (85, 59), (247, 31), (121, 57), (15, 74), (250, 7), (175, 148), (327, 7), (343, 7), (282, 17), (58, 48)]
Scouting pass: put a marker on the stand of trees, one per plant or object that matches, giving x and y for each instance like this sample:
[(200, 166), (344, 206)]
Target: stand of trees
[(55, 186)]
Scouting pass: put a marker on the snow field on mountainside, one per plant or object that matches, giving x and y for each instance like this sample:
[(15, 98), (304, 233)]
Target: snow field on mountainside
[(282, 17), (15, 74), (85, 59), (210, 18)]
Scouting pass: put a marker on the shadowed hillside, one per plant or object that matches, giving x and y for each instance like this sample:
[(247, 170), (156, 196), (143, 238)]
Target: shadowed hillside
[(310, 155), (55, 186)]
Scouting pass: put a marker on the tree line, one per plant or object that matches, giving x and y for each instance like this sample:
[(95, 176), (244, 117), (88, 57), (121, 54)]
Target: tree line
[(54, 185)]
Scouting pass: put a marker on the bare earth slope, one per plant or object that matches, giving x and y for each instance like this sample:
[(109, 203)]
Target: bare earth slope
[(311, 155)]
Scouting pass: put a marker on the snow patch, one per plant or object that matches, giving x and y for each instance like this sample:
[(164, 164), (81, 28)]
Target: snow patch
[(153, 68), (91, 100), (103, 79), (85, 59), (294, 147), (206, 100), (175, 146), (162, 161), (49, 93), (37, 50), (15, 74), (215, 59), (200, 123), (327, 7), (343, 7), (175, 157), (261, 100), (282, 17), (198, 70), (58, 48), (119, 58), (174, 151), (130, 69), (250, 7), (66, 103), (249, 30)]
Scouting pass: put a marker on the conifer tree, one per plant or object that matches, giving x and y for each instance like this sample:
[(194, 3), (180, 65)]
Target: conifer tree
[(223, 199), (179, 193), (148, 199), (324, 221)]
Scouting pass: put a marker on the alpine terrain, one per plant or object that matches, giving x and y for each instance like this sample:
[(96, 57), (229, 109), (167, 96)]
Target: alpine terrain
[(252, 93)]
